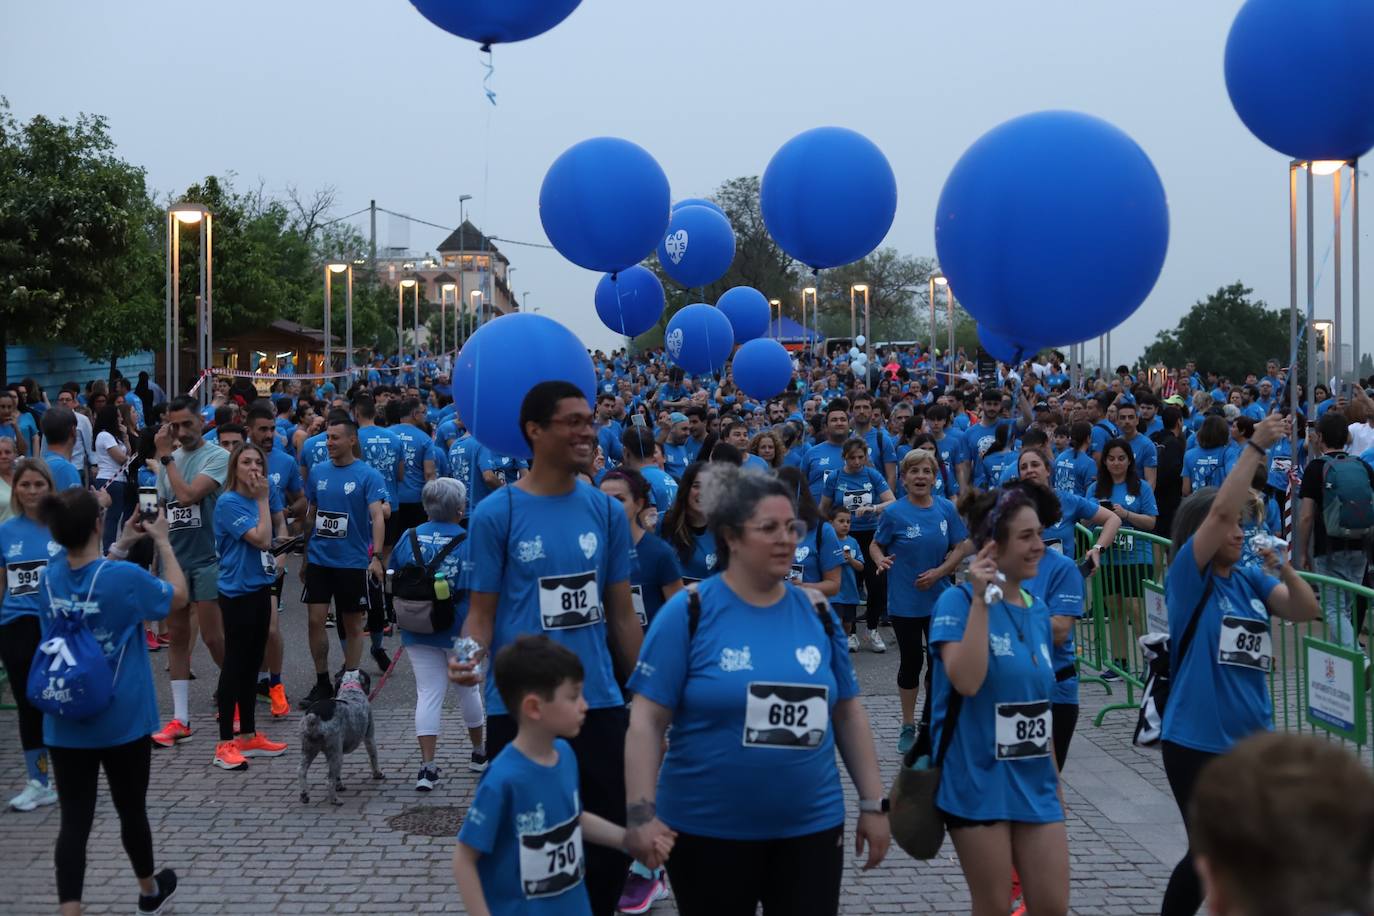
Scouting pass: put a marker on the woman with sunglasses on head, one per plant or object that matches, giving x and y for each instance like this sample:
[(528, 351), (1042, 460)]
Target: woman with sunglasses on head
[(753, 674)]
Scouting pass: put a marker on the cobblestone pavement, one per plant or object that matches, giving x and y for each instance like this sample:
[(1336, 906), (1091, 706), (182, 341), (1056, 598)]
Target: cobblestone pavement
[(243, 843)]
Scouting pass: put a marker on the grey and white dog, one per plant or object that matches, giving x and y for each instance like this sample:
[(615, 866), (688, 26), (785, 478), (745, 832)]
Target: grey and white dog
[(336, 727)]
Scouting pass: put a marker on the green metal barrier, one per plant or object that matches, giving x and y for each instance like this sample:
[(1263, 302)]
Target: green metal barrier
[(5, 682)]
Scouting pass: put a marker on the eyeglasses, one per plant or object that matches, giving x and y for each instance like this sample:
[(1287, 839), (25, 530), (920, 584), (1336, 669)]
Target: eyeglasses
[(794, 530), (574, 423)]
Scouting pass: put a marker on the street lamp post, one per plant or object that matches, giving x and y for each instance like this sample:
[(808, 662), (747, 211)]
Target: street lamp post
[(524, 298), (475, 297), (936, 279), (338, 267), (443, 325), (868, 329), (776, 304), (190, 214), (950, 309), (815, 311), (400, 318)]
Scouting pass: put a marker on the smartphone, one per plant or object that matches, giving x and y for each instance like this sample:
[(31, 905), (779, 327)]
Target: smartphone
[(637, 420), (1105, 503), (1085, 568), (147, 502), (286, 545)]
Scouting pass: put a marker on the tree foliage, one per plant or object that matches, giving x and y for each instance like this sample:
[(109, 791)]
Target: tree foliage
[(1227, 333)]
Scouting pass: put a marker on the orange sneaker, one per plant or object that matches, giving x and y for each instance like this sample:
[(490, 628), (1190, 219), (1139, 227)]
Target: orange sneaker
[(175, 732), (259, 745), (280, 707), (227, 756)]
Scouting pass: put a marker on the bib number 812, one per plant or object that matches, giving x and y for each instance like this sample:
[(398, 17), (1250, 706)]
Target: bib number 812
[(792, 716), (575, 601)]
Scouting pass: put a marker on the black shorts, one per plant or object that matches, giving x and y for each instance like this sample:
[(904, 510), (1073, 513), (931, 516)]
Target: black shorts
[(394, 527), (955, 822), (346, 588)]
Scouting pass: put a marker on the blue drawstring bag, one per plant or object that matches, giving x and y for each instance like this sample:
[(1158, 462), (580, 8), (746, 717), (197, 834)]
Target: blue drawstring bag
[(70, 677)]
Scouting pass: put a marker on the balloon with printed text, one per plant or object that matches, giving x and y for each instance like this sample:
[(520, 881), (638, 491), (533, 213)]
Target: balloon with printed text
[(698, 247), (699, 339)]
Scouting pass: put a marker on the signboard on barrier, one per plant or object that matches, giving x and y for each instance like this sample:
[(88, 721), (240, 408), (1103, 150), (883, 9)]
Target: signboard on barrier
[(1335, 689)]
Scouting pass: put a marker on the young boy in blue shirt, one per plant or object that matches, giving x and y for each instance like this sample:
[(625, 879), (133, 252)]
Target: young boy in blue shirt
[(520, 848), (846, 601)]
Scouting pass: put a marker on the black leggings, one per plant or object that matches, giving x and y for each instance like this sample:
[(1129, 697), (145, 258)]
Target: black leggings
[(1064, 719), (1182, 764), (77, 770), (913, 642), (797, 876), (18, 642), (246, 622), (875, 582)]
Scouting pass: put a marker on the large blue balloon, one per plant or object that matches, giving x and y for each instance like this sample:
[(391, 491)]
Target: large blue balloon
[(1053, 226), (699, 339), (492, 21), (604, 204), (697, 202), (748, 311), (1301, 75), (1005, 350), (631, 302), (698, 247), (499, 365), (762, 369), (828, 197)]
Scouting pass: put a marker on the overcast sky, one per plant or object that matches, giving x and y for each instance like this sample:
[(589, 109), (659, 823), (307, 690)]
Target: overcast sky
[(367, 96)]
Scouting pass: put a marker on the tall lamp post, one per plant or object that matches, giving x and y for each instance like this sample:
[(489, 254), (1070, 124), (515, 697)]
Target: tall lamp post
[(476, 302), (776, 304), (936, 279), (868, 336), (401, 288), (443, 326), (815, 312), (338, 267), (189, 214)]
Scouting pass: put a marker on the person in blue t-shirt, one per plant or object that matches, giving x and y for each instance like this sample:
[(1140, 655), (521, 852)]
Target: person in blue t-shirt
[(113, 598), (864, 490), (1074, 469), (519, 852), (1220, 689), (654, 572), (999, 455), (686, 531), (1033, 466), (826, 458), (59, 441), (640, 452), (992, 725), (1146, 455), (846, 601), (552, 554), (817, 558), (1120, 489), (754, 676), (1204, 465), (417, 465), (919, 544)]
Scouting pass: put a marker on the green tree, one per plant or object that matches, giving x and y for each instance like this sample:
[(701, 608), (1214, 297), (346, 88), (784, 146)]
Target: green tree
[(1227, 333), (71, 215), (897, 285)]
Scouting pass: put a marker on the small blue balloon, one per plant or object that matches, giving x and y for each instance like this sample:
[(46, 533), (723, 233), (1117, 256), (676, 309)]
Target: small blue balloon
[(499, 365), (604, 204), (630, 302), (698, 247), (493, 21), (1300, 74), (762, 368), (1052, 226), (748, 311), (828, 197), (1005, 350), (699, 339), (698, 202)]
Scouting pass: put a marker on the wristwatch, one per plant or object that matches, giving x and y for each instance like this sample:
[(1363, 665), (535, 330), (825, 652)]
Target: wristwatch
[(874, 806), (166, 460)]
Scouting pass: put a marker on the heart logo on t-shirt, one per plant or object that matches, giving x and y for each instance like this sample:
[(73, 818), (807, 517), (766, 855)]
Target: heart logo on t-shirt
[(676, 246), (810, 658), (349, 488), (588, 543)]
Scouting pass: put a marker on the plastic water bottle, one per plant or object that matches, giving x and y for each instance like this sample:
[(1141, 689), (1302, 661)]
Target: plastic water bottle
[(465, 648), (441, 586), (993, 593)]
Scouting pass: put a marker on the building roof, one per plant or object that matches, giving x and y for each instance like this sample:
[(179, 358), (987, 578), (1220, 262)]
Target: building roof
[(466, 238)]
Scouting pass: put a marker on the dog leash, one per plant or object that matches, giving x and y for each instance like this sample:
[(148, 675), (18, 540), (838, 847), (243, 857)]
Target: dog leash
[(400, 650)]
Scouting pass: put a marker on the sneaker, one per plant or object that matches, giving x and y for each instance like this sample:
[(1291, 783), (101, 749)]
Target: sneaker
[(264, 691), (163, 640), (875, 642), (641, 893), (329, 620), (259, 745), (175, 732), (280, 707), (1110, 675), (35, 795), (429, 775), (478, 762), (227, 756), (317, 693), (853, 642), (382, 659), (166, 881), (151, 637), (906, 740), (883, 621)]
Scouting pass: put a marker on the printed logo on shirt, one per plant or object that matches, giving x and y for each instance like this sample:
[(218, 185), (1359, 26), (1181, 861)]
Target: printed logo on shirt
[(644, 668), (1258, 607), (14, 551), (823, 462), (801, 554), (944, 527), (912, 532), (1045, 653), (321, 486), (732, 660), (349, 488), (809, 658), (710, 561), (529, 551), (588, 544), (1000, 645)]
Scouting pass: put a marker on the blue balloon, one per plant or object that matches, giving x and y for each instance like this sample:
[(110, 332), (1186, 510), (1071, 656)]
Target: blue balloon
[(1005, 350), (828, 197), (698, 202), (699, 339), (1052, 226), (748, 311), (499, 365), (698, 247), (631, 302), (762, 369), (1300, 74), (493, 21), (604, 204)]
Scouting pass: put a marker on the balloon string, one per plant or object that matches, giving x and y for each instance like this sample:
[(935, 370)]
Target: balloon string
[(491, 71), (615, 282)]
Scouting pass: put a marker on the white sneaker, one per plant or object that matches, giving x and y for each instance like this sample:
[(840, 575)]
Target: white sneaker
[(853, 642), (875, 642), (35, 795)]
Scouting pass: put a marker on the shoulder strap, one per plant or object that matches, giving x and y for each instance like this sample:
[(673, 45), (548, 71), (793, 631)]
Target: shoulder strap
[(952, 709), (443, 553), (693, 611), (1186, 640)]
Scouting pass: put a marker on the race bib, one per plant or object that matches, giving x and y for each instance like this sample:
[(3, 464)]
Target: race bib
[(568, 602), (1245, 643), (1124, 542), (787, 716), (637, 596), (796, 574), (551, 861), (857, 499), (1023, 730), (180, 517), (22, 578), (1281, 465), (331, 524), (1055, 544)]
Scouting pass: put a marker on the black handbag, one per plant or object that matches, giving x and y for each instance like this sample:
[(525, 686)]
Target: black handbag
[(916, 824)]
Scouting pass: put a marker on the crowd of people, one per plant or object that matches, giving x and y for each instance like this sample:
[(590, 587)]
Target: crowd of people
[(652, 623)]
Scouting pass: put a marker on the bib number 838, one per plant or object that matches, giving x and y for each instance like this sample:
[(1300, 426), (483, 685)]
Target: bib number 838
[(1249, 642)]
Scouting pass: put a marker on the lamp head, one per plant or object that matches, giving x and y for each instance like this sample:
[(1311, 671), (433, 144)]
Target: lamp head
[(407, 283), (860, 287), (449, 287), (1325, 166), (337, 267), (188, 213), (810, 290), (940, 279)]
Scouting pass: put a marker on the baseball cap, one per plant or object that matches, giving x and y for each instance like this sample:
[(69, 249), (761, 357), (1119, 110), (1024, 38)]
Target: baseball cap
[(1174, 400), (677, 417)]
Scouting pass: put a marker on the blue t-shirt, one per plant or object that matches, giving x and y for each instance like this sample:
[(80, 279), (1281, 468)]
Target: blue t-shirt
[(382, 450), (1205, 467), (1127, 549), (416, 449), (988, 471), (823, 460), (1281, 461), (816, 554), (752, 755), (1074, 472), (115, 597), (1072, 509), (446, 433), (881, 450), (341, 497), (1059, 585), (26, 549), (676, 458), (486, 461), (314, 450), (243, 568), (65, 476), (662, 485), (457, 568), (849, 582), (525, 820), (551, 560), (462, 458), (1103, 432), (857, 491), (702, 562), (1146, 455), (1220, 692), (1000, 764), (918, 540), (283, 473), (653, 564), (978, 438)]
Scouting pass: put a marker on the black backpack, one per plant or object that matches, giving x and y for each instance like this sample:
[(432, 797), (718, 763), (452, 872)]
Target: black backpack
[(418, 609)]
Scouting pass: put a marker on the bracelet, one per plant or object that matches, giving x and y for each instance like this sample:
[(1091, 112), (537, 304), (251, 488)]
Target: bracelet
[(117, 552), (1254, 445)]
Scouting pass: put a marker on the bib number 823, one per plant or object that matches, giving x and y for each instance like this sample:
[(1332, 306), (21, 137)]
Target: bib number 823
[(1030, 730)]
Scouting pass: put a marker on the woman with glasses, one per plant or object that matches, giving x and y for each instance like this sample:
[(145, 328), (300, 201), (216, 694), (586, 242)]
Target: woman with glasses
[(754, 676)]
